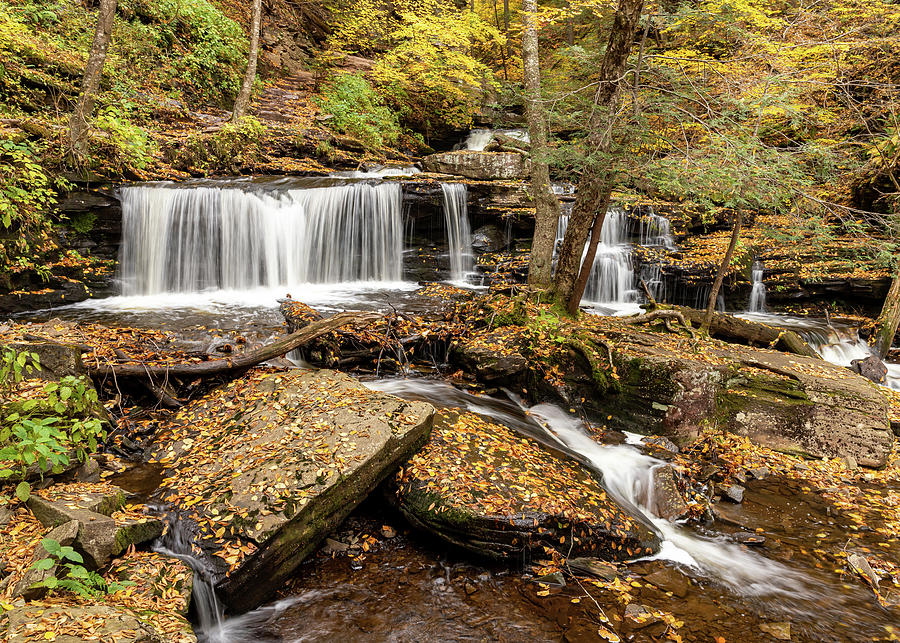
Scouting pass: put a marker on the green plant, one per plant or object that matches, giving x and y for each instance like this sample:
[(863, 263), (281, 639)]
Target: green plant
[(14, 366), (233, 147), (359, 112), (46, 431), (83, 222), (77, 578)]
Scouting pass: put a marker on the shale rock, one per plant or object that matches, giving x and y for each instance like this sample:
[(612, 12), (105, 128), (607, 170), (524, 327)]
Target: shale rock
[(483, 166), (479, 486), (270, 464)]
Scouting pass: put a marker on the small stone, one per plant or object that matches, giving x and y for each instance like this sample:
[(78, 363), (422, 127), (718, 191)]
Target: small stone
[(707, 472), (470, 589), (661, 442), (334, 546), (594, 567), (669, 580), (733, 493), (849, 462), (388, 532), (749, 539), (89, 471), (780, 630), (556, 579), (760, 473)]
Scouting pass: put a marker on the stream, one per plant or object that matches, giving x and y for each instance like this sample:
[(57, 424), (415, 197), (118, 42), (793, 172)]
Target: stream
[(219, 255)]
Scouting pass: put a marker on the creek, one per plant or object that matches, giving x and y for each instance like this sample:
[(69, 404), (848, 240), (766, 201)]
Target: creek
[(214, 254)]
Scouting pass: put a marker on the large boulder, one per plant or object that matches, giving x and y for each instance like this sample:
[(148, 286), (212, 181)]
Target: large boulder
[(268, 465), (479, 486), (634, 379), (481, 166), (662, 383)]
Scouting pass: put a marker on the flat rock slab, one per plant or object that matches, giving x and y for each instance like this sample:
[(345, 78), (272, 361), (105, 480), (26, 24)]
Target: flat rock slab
[(482, 487), (75, 623), (483, 166), (268, 465)]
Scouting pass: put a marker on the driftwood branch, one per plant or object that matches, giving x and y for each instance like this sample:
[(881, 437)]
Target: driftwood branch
[(243, 360)]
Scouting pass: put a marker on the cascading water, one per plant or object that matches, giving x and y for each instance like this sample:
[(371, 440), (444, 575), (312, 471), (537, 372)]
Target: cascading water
[(758, 293), (459, 235), (478, 139), (182, 240), (612, 280)]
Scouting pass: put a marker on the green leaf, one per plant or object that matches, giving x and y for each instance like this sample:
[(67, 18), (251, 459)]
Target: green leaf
[(23, 491), (44, 564)]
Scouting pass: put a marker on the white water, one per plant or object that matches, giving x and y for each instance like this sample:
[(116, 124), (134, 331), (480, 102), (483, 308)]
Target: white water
[(838, 343), (612, 285), (459, 234), (628, 476), (478, 139), (376, 174), (758, 293), (191, 240)]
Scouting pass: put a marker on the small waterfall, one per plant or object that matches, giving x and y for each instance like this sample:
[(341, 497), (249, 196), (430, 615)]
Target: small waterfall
[(459, 235), (612, 279), (478, 139), (177, 542), (183, 240), (758, 293)]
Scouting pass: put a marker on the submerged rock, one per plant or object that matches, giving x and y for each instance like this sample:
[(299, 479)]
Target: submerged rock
[(483, 166), (481, 487), (267, 467)]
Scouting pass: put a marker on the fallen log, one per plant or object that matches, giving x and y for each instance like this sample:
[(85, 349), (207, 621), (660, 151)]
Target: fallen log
[(734, 328), (242, 360)]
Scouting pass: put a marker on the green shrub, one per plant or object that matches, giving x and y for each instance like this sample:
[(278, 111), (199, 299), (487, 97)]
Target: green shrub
[(359, 112), (77, 578), (234, 147)]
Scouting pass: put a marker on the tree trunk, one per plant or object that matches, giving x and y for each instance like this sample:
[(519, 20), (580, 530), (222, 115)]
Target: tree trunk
[(723, 269), (243, 360), (888, 321), (506, 27), (587, 263), (546, 207), (595, 184), (570, 27), (242, 102), (78, 122)]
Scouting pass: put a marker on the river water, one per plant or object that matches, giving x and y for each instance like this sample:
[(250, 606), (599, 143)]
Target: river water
[(220, 255)]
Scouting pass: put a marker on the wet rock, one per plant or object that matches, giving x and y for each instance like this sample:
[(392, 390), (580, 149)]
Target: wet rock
[(388, 532), (334, 546), (89, 471), (470, 589), (65, 535), (479, 486), (56, 506), (779, 630), (492, 358), (668, 502), (760, 473), (482, 166), (708, 471), (556, 579), (70, 623), (871, 368), (746, 538), (731, 492), (661, 442), (489, 238), (279, 460), (641, 617), (669, 580), (594, 567)]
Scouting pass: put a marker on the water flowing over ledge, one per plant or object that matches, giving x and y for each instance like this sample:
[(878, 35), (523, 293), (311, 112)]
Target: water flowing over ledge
[(224, 238)]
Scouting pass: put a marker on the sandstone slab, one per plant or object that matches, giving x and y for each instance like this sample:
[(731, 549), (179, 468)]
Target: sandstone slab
[(483, 166), (267, 466)]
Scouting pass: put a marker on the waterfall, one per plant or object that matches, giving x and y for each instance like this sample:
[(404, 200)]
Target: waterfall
[(459, 236), (183, 240), (478, 139), (612, 279), (758, 293)]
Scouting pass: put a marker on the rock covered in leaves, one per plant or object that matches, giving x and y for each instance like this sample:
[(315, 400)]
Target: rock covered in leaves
[(268, 465), (479, 486)]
